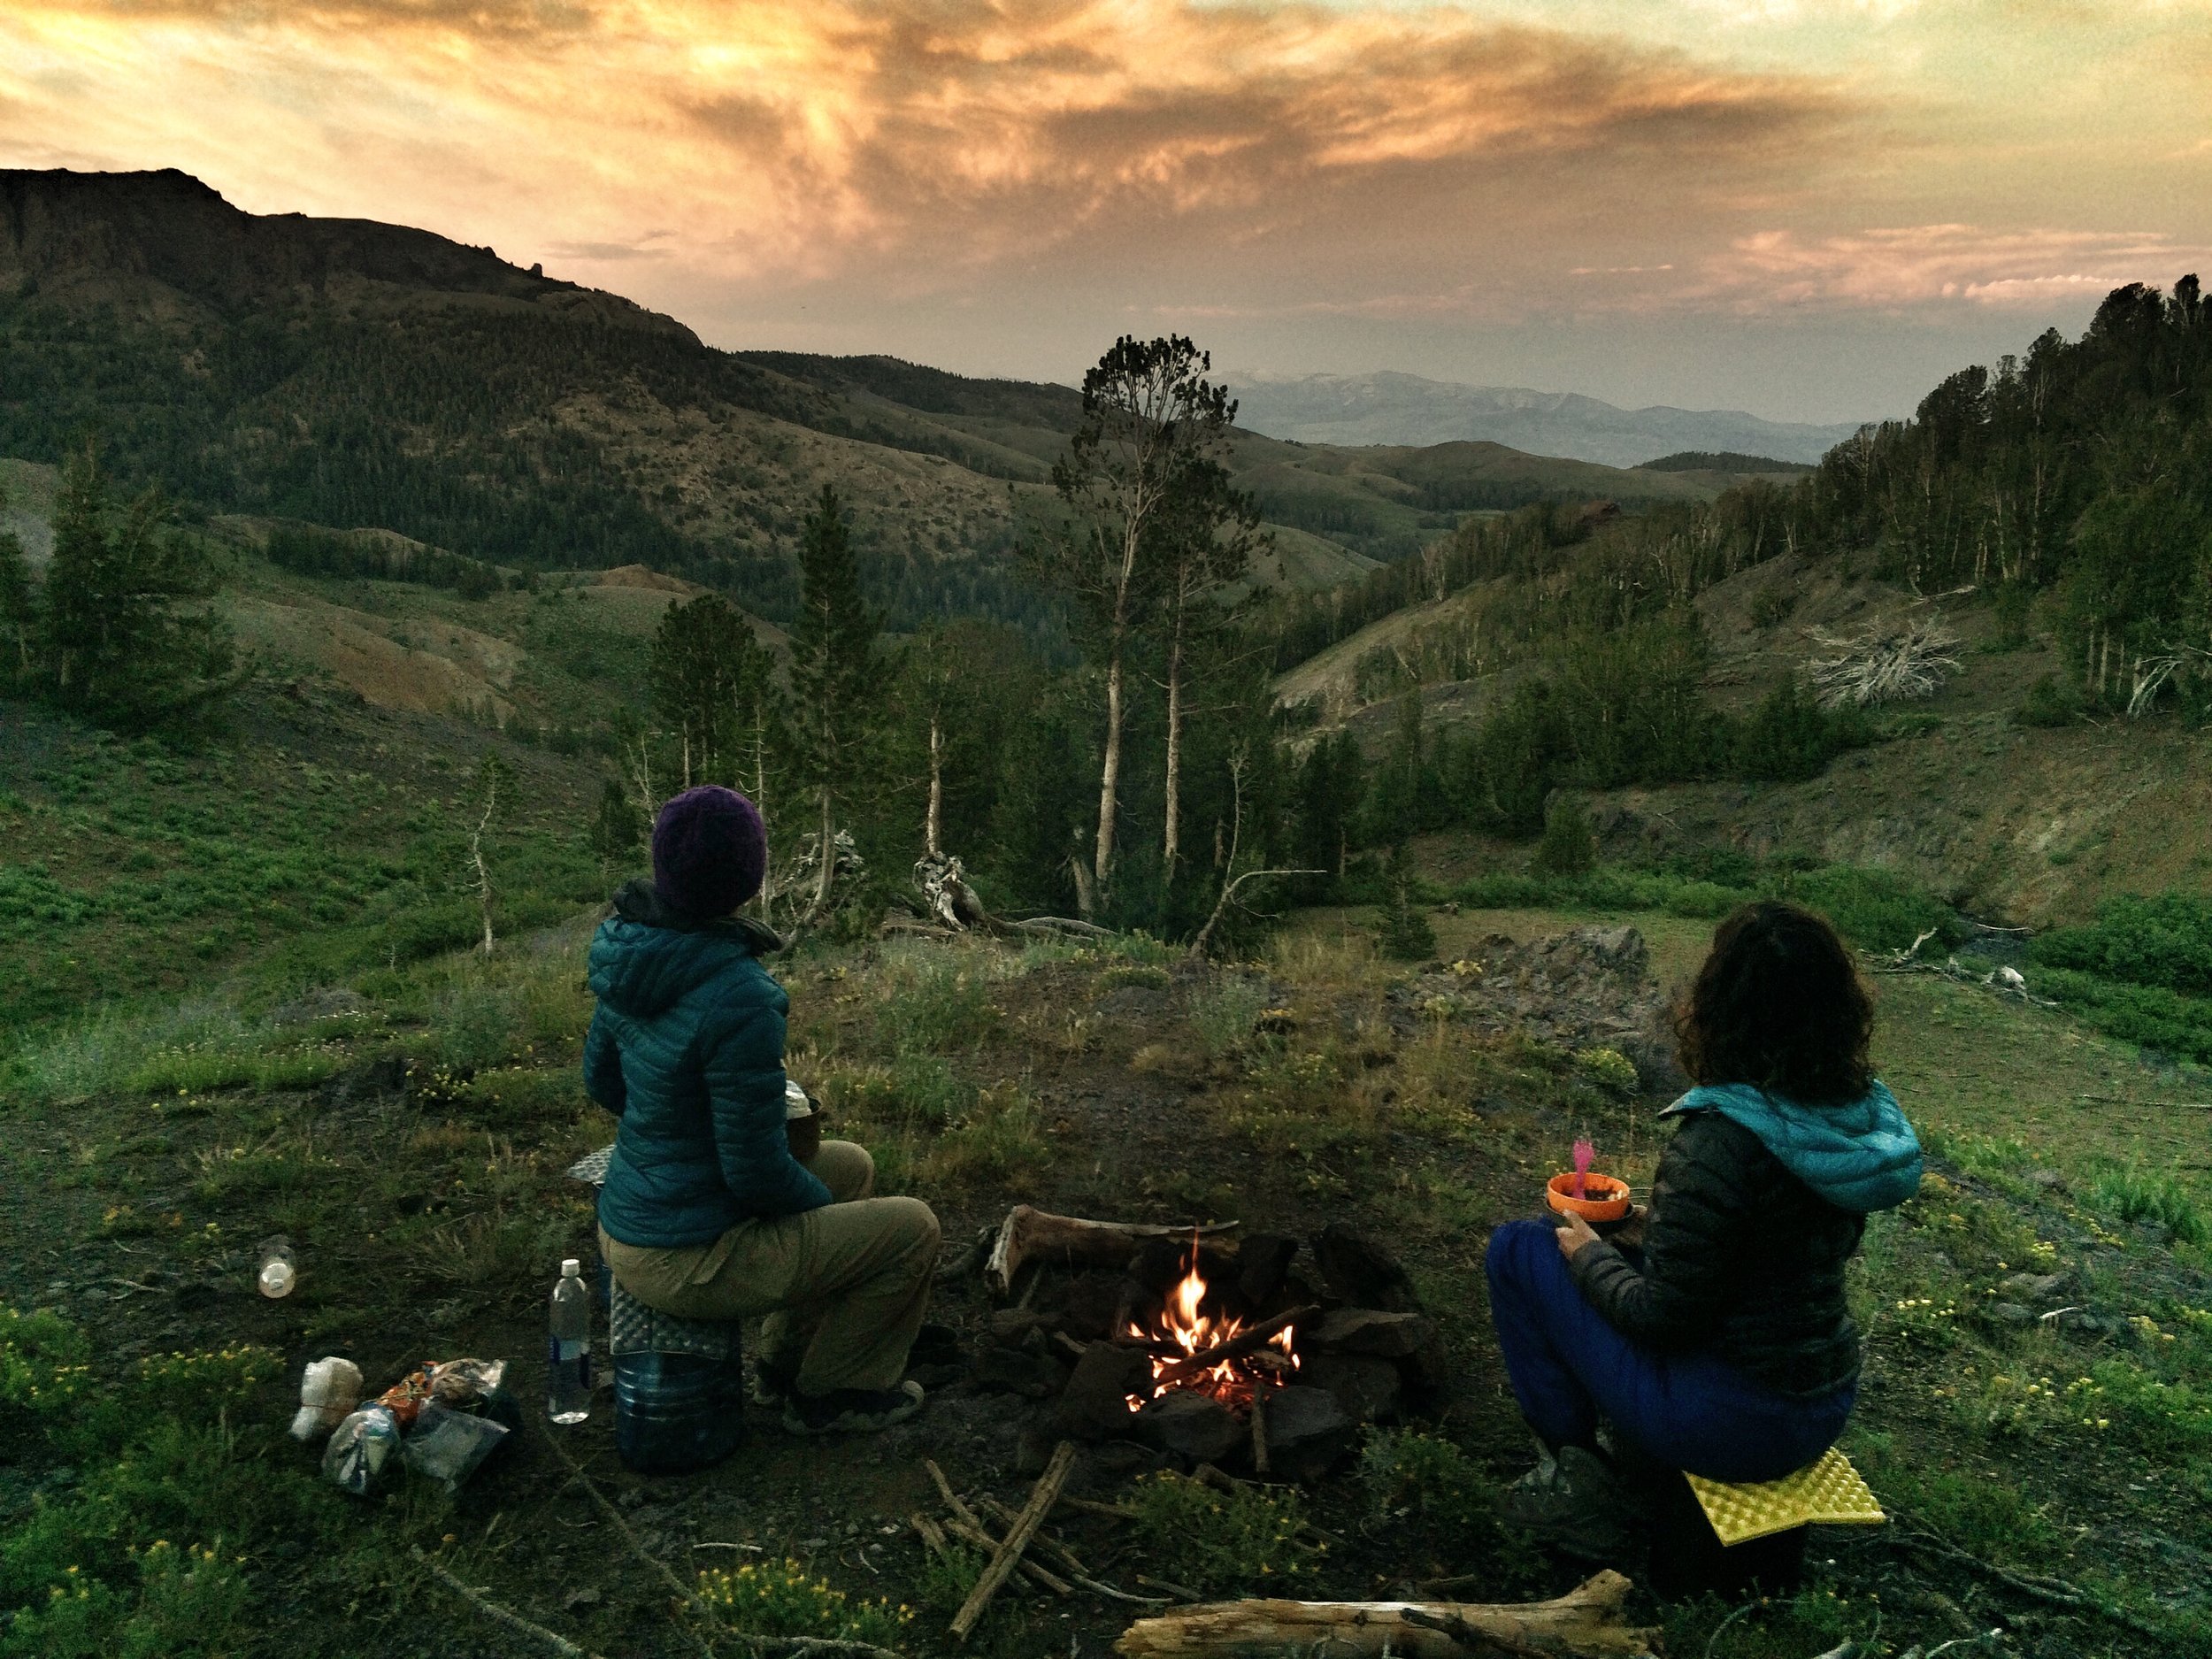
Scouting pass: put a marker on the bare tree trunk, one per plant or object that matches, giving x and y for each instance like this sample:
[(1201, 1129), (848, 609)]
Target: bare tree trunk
[(828, 856), (1171, 845), (1109, 771), (686, 755), (476, 858), (933, 825)]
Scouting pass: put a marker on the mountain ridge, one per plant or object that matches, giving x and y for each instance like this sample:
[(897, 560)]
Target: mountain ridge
[(1390, 407)]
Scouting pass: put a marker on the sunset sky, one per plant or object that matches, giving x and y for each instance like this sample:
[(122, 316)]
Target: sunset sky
[(1810, 209)]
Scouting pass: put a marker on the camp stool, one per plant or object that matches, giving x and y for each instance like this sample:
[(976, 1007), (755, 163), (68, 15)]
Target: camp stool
[(679, 1388), (679, 1384), (1723, 1536)]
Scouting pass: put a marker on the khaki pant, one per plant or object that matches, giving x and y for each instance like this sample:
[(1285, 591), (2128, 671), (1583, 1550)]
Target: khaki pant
[(844, 1287)]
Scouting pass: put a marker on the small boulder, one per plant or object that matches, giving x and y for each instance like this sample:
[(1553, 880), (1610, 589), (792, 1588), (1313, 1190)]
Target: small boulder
[(1035, 1376), (1194, 1426), (1368, 1330), (2032, 1286), (1096, 1405), (1367, 1388), (2011, 1313), (1308, 1434)]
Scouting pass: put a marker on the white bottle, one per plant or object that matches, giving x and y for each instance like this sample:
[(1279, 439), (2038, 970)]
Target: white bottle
[(278, 1271), (568, 1348)]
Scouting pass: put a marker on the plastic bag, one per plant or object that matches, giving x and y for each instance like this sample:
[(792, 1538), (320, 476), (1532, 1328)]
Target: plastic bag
[(357, 1451), (454, 1382), (329, 1392), (448, 1445)]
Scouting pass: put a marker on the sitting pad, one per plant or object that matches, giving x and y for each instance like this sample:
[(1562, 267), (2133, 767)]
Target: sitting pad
[(634, 1328), (1828, 1493)]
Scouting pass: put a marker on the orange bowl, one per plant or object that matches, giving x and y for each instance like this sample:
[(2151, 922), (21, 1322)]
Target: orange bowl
[(1605, 1198)]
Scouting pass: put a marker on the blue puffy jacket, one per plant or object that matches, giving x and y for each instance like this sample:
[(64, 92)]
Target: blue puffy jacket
[(686, 1049)]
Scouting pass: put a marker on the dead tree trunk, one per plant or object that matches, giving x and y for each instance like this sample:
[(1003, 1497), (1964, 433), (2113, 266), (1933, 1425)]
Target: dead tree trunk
[(829, 857), (932, 825), (1586, 1622), (1170, 847), (1109, 771)]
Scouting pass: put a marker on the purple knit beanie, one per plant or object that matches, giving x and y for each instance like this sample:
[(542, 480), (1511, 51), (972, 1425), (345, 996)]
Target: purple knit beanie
[(709, 852)]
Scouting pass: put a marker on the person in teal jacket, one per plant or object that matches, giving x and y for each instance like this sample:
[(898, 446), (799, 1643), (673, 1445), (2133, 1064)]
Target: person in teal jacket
[(706, 1213)]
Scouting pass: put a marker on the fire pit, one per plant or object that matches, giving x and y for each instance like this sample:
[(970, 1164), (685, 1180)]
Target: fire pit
[(1212, 1347)]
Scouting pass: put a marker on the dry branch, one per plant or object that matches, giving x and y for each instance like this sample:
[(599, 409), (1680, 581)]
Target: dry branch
[(1018, 1537), (1587, 1623), (1067, 1558), (1884, 666), (506, 1618), (1029, 1234), (953, 904)]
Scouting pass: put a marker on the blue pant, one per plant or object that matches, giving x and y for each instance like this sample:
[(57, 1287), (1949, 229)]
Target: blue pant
[(1689, 1410)]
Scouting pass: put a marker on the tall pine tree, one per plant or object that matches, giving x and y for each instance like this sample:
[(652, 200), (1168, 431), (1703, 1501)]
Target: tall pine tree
[(835, 676), (18, 610), (117, 645)]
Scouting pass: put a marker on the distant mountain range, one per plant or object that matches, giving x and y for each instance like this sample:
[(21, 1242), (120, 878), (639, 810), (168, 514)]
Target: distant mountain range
[(1408, 410)]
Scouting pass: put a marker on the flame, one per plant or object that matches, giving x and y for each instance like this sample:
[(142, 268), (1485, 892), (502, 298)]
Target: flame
[(1184, 1330)]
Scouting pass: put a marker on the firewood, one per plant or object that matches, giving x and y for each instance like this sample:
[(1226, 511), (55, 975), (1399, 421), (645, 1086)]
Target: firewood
[(1587, 1623), (1259, 1431), (1244, 1343), (1030, 1234), (1067, 1558), (1029, 1570), (1026, 1525), (1092, 1505)]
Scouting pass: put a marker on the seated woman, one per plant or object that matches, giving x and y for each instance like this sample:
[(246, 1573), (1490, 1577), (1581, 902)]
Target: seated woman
[(705, 1213), (1714, 1335)]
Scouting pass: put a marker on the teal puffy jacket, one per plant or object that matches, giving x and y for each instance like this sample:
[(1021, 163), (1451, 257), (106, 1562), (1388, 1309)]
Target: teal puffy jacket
[(686, 1049)]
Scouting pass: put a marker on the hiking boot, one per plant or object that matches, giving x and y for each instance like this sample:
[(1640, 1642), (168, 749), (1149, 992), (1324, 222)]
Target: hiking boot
[(851, 1410), (1572, 1500), (771, 1383)]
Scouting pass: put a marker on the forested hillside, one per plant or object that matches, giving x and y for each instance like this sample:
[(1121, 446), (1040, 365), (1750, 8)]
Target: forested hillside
[(352, 374)]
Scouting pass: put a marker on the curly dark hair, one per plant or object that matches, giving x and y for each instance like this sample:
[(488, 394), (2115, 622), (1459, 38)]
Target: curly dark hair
[(1781, 1005)]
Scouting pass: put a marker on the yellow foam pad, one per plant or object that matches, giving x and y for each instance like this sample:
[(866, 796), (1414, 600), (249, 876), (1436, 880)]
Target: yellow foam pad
[(1826, 1493)]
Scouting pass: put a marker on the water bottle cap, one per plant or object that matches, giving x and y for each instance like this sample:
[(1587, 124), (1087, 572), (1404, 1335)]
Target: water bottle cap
[(572, 1269)]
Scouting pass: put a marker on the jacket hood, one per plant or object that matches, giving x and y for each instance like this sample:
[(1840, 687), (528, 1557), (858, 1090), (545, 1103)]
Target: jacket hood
[(1860, 1155), (643, 960)]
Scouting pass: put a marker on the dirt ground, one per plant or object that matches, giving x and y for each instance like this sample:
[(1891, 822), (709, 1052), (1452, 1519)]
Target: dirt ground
[(428, 1223)]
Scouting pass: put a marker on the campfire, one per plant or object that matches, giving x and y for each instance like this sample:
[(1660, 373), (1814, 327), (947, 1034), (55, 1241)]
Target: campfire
[(1212, 1345), (1197, 1344)]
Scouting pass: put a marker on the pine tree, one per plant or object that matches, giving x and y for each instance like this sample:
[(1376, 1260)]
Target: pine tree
[(18, 610), (115, 643), (835, 675), (1569, 846), (617, 828), (1402, 928), (712, 686)]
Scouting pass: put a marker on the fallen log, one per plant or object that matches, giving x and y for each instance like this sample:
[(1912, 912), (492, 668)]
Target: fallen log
[(1586, 1622), (1029, 1234), (1017, 1536)]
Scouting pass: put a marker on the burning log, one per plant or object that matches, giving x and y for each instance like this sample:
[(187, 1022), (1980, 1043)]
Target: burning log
[(1587, 1623), (1030, 1234), (1017, 1536), (1186, 1371)]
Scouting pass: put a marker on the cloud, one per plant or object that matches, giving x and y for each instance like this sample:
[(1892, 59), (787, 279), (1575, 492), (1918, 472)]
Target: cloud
[(1922, 264), (801, 139)]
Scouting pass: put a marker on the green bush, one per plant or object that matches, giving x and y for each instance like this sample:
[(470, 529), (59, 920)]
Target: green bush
[(937, 1004), (2142, 1014), (786, 1600), (2136, 1197), (2049, 702), (1247, 1539), (1873, 908), (1570, 845), (2165, 942), (1790, 737)]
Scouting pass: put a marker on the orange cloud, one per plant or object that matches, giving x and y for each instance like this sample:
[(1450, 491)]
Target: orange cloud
[(795, 139), (1920, 265)]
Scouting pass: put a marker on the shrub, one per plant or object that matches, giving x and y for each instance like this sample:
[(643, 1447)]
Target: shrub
[(1225, 1013), (1790, 737), (784, 1600), (2049, 702), (1223, 1538), (2164, 941), (2160, 1200), (2147, 1015), (1874, 909), (1569, 844), (937, 1004), (1609, 1069)]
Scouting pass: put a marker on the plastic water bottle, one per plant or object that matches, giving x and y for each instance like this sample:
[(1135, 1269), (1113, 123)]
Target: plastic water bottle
[(277, 1270), (568, 1348)]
